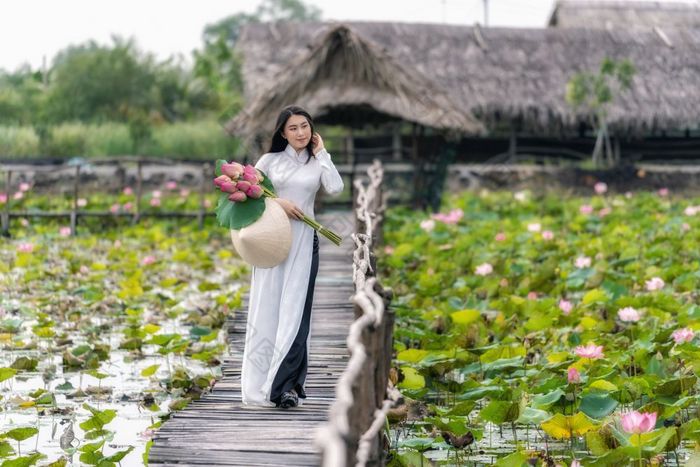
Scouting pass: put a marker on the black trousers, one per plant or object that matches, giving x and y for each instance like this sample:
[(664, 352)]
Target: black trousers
[(292, 370)]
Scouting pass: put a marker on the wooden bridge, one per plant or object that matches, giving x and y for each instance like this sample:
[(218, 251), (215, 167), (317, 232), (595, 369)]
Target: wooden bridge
[(341, 421)]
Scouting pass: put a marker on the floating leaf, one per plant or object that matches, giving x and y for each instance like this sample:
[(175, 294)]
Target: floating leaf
[(565, 426)]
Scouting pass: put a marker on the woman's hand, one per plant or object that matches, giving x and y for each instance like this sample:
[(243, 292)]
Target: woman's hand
[(317, 142), (293, 212)]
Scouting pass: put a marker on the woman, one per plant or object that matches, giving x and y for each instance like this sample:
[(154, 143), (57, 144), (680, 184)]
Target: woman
[(275, 357)]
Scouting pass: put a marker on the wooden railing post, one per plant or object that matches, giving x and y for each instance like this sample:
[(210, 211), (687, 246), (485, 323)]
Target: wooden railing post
[(137, 214), (6, 211), (74, 209)]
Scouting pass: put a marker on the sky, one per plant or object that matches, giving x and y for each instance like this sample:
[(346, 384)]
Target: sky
[(34, 30)]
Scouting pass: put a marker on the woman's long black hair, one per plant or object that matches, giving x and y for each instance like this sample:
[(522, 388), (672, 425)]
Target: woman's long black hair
[(279, 144)]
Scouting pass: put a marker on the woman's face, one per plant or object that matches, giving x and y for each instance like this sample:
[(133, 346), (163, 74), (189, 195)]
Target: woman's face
[(297, 132)]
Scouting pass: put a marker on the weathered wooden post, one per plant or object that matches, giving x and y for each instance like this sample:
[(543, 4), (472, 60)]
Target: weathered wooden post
[(74, 209), (6, 211), (137, 214)]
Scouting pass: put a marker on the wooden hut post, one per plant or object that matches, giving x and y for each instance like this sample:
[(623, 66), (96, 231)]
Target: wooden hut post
[(350, 157), (137, 214), (396, 142), (74, 209), (6, 211), (512, 145)]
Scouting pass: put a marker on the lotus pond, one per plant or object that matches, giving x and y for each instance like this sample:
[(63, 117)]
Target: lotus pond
[(546, 329), (105, 333)]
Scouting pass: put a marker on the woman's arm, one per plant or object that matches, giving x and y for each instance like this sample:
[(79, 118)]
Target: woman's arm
[(330, 178)]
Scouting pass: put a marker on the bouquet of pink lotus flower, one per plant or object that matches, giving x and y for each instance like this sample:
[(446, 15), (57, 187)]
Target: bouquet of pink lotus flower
[(243, 188)]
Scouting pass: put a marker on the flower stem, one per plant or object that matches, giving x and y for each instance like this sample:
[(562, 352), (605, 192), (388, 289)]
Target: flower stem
[(329, 234)]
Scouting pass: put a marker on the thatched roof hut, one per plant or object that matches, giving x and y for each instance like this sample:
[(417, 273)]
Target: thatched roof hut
[(617, 14), (443, 76)]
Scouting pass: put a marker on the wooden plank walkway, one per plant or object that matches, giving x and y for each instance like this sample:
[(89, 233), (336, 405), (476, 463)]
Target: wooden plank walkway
[(217, 430)]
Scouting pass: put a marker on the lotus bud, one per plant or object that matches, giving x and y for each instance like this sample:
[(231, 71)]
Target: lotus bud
[(221, 179), (251, 178), (237, 197), (243, 185), (229, 187), (233, 170), (254, 191)]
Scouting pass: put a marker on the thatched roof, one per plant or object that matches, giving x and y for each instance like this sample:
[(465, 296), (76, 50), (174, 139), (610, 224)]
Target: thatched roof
[(498, 74), (612, 14)]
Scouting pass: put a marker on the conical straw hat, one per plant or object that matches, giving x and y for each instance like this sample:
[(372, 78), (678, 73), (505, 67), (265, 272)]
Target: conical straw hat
[(266, 242)]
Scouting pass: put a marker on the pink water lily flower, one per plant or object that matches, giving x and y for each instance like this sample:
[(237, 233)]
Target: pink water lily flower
[(64, 231), (637, 422), (128, 191), (24, 186), (128, 206), (155, 202), (628, 315), (25, 247), (655, 283), (591, 351), (150, 259), (427, 225), (534, 227), (500, 236), (683, 335), (586, 209), (483, 269), (663, 191), (114, 208), (565, 306), (82, 202), (452, 217), (573, 376), (156, 193), (547, 235), (171, 185), (600, 187), (18, 195), (583, 262), (3, 198), (604, 212)]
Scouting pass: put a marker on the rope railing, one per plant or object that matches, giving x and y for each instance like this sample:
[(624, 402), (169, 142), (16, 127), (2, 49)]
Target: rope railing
[(352, 436)]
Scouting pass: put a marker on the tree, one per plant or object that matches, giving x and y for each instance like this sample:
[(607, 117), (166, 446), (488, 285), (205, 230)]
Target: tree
[(594, 93), (219, 66)]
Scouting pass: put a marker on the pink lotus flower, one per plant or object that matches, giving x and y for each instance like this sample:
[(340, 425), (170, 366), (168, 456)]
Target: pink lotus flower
[(249, 177), (573, 376), (18, 195), (663, 191), (683, 335), (655, 283), (483, 269), (452, 217), (565, 306), (82, 202), (3, 198), (500, 236), (218, 181), (114, 208), (128, 206), (24, 186), (229, 187), (25, 247), (583, 262), (255, 191), (171, 185), (238, 196), (156, 193), (428, 225), (233, 170), (155, 202), (637, 422), (690, 210), (532, 295), (628, 315), (64, 231), (600, 187), (388, 250), (604, 212), (150, 259), (575, 463), (591, 351), (184, 193), (243, 185), (534, 227), (586, 209), (547, 235), (128, 191)]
